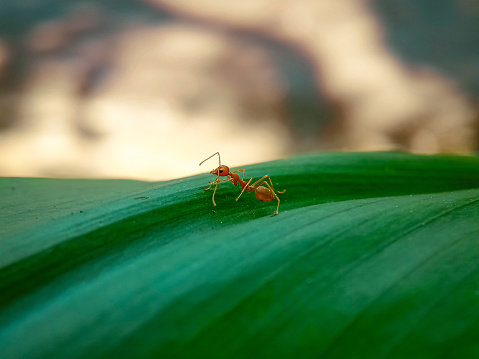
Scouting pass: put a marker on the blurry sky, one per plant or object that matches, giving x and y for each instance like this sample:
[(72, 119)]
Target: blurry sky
[(147, 89)]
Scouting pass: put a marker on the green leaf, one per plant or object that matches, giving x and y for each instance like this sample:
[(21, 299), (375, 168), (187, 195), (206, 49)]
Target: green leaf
[(371, 255)]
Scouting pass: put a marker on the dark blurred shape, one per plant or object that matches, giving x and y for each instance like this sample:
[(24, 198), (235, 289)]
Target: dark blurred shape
[(441, 33), (50, 36), (53, 35), (4, 57), (84, 17)]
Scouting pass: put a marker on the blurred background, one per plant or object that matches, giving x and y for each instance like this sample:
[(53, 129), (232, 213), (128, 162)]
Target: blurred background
[(146, 89)]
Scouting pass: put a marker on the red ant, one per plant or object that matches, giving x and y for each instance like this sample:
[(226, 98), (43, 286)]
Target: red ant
[(264, 194)]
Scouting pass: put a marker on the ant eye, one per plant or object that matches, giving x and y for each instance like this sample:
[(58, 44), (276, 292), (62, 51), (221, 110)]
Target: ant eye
[(221, 171)]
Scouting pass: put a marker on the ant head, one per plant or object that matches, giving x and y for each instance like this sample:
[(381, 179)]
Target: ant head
[(221, 171)]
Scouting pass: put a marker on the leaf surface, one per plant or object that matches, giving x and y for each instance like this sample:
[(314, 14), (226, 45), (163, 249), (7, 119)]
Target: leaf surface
[(371, 255)]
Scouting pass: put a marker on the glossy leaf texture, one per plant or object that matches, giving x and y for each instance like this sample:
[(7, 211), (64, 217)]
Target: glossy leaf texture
[(372, 255)]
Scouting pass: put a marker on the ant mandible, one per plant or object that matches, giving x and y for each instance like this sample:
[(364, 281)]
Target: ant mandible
[(264, 194)]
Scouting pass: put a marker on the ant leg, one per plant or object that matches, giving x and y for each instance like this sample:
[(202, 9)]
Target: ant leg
[(246, 186), (216, 182), (270, 182), (274, 194), (242, 177), (263, 179), (213, 198), (212, 183)]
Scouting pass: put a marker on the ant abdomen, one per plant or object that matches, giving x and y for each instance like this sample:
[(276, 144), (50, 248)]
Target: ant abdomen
[(264, 194)]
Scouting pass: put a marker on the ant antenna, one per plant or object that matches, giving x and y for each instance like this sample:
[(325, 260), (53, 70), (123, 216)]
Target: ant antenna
[(219, 158)]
